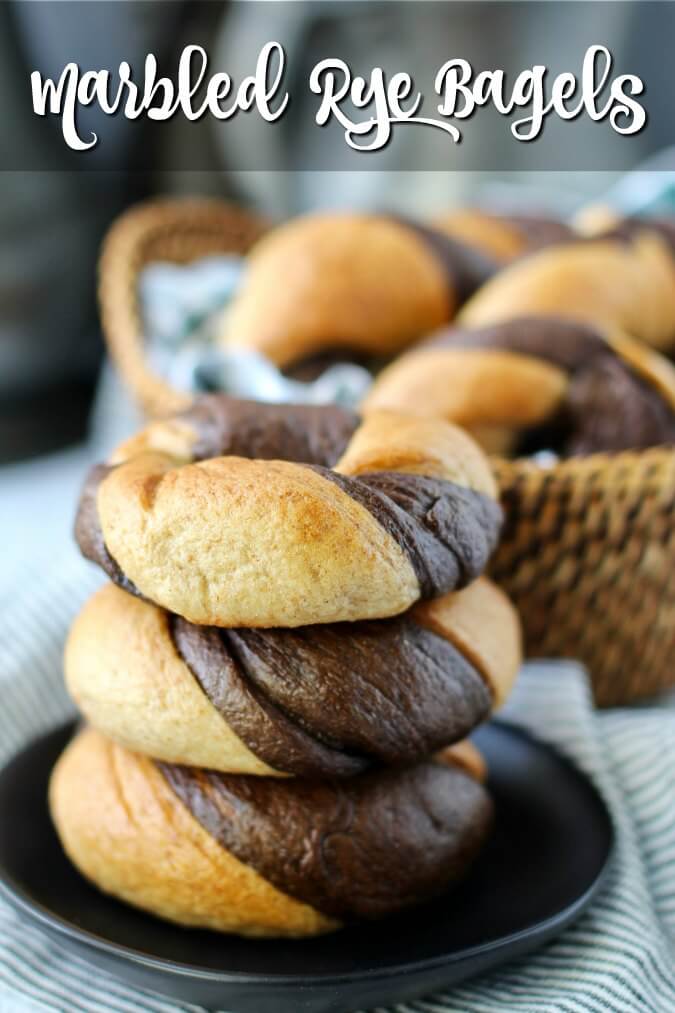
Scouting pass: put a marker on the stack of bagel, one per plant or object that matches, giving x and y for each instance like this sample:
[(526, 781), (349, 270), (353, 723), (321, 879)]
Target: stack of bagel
[(279, 680)]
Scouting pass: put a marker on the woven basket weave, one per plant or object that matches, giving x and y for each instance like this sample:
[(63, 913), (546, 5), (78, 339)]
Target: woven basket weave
[(587, 555), (588, 549)]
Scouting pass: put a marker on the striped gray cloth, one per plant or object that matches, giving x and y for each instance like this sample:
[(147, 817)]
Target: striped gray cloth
[(619, 957)]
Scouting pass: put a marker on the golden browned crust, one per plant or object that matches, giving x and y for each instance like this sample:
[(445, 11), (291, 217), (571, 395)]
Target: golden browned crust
[(123, 671), (237, 542), (231, 541), (126, 831), (338, 281)]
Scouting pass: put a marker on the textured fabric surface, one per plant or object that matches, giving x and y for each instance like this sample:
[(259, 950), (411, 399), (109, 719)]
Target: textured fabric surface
[(619, 957)]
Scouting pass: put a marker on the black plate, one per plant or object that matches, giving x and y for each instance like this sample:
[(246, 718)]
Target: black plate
[(540, 870)]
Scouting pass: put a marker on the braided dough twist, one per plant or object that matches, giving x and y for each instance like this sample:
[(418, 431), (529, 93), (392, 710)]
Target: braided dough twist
[(325, 701), (380, 514)]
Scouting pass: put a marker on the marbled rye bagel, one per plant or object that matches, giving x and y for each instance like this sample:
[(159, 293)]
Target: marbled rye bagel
[(263, 856), (537, 383), (364, 284), (211, 516), (318, 701), (623, 280), (504, 237)]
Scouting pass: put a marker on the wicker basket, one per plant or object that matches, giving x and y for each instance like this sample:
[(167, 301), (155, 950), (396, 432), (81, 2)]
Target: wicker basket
[(175, 231), (588, 552), (587, 555)]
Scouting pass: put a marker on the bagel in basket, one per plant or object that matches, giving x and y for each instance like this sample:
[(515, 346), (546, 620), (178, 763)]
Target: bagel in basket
[(261, 856), (323, 701), (364, 285), (380, 513), (623, 280), (504, 237), (537, 383)]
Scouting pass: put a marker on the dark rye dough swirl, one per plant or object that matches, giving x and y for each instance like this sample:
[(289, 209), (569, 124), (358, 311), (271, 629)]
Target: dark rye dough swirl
[(321, 701), (259, 856), (236, 513), (537, 383)]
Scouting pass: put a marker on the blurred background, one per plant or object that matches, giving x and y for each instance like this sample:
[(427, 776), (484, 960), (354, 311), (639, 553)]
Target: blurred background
[(52, 219)]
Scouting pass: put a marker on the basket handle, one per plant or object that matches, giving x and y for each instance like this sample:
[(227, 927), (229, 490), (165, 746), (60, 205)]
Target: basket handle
[(178, 231)]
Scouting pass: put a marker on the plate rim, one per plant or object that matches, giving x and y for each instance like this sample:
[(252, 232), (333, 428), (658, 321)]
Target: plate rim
[(56, 924)]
